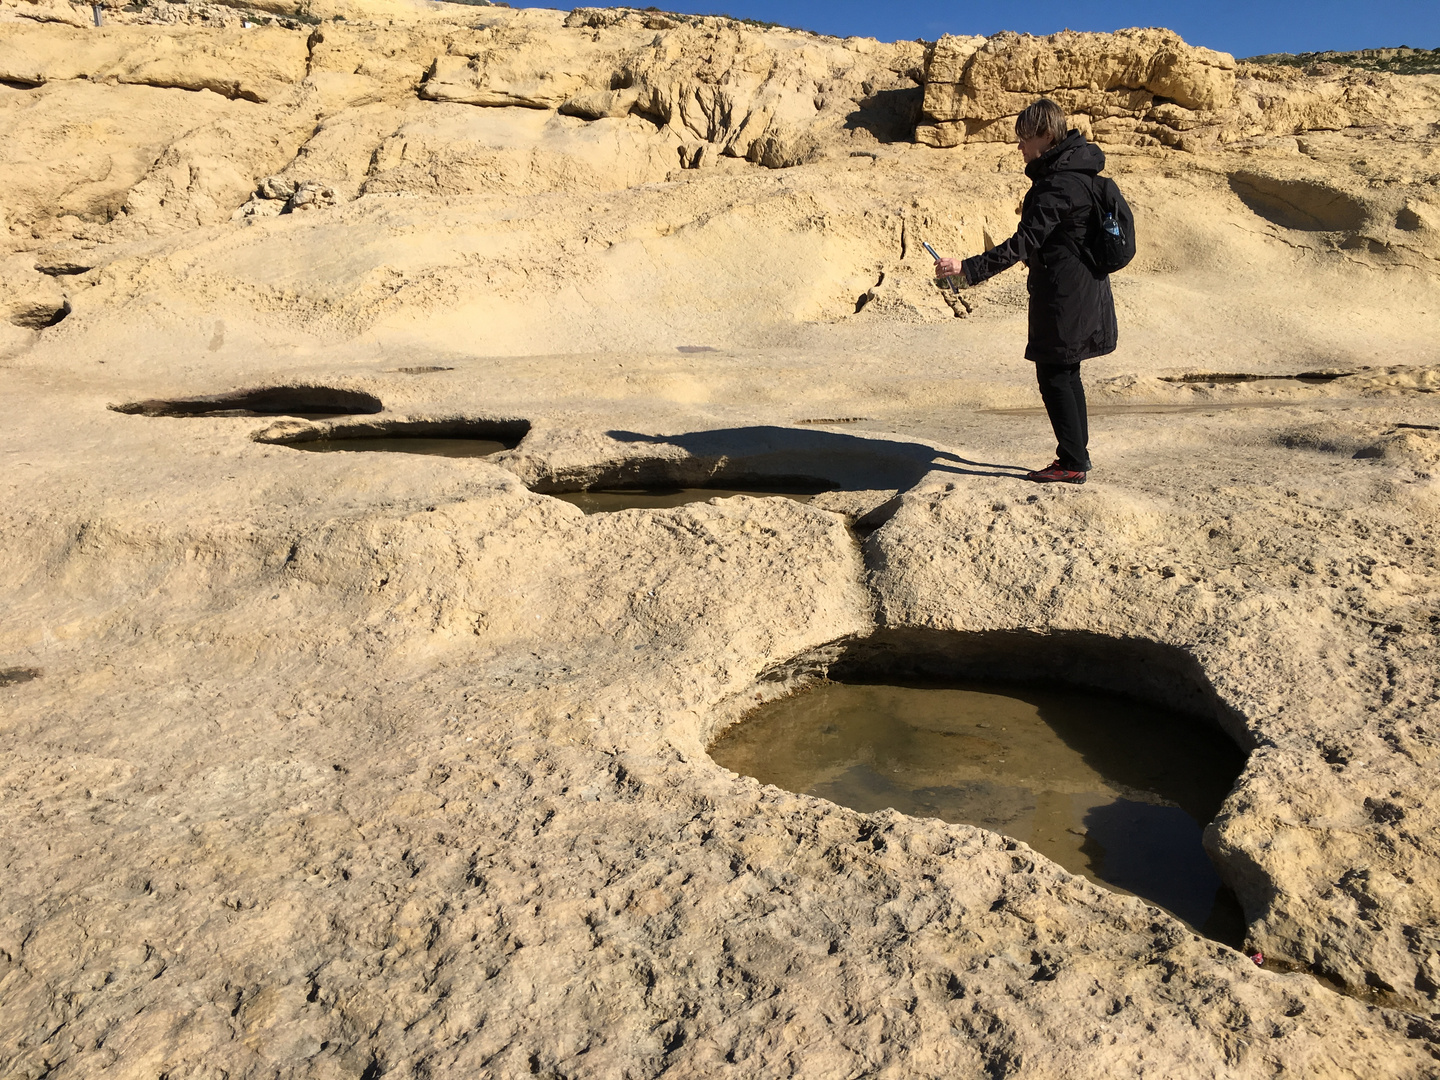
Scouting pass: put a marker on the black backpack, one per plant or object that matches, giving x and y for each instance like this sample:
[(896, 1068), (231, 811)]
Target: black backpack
[(1110, 231)]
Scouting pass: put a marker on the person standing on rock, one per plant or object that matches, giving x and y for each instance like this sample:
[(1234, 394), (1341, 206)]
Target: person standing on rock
[(1072, 312)]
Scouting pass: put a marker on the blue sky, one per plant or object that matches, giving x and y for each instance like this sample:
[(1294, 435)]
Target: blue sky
[(1244, 29)]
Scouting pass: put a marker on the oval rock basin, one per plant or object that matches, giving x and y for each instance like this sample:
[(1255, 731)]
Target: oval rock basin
[(438, 447), (1106, 787), (609, 501)]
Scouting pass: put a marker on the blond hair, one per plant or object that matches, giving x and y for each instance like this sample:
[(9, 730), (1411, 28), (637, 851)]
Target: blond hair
[(1042, 119)]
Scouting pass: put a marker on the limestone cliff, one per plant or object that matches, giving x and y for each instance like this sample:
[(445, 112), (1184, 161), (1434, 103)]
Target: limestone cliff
[(1147, 87)]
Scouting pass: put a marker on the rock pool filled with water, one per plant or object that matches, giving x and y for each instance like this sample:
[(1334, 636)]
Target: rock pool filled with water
[(1109, 788), (440, 447), (604, 502)]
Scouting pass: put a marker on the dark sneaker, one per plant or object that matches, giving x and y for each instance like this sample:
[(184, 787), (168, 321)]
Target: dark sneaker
[(1055, 473)]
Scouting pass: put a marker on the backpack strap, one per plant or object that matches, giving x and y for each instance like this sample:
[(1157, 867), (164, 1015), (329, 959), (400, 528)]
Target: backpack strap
[(1068, 240)]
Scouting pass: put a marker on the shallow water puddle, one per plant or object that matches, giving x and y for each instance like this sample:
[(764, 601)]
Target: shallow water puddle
[(448, 447), (1108, 788), (604, 502)]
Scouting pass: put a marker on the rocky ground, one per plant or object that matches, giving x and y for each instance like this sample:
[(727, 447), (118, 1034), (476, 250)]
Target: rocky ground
[(381, 764)]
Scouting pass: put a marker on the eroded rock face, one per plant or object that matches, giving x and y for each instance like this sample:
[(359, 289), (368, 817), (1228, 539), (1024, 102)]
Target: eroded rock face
[(1147, 87), (769, 99), (973, 84), (253, 65), (1277, 100), (333, 109)]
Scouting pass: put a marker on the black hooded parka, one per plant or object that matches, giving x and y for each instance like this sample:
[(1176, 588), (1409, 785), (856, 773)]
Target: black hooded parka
[(1072, 312)]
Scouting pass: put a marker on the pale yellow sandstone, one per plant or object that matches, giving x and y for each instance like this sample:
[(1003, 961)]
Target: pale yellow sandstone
[(344, 764)]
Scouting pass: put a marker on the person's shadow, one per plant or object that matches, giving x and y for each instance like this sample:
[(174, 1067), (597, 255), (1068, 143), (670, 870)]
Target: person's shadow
[(777, 455)]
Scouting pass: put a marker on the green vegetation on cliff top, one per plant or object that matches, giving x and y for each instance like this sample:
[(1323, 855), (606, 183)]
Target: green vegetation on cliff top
[(1398, 61)]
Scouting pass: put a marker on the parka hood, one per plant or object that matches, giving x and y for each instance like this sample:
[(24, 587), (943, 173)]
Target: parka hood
[(1071, 154)]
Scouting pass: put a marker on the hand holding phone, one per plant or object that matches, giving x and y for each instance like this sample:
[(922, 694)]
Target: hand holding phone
[(955, 281)]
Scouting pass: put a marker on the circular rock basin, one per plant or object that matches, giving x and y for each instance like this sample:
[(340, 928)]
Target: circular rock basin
[(1114, 790), (607, 501), (448, 447)]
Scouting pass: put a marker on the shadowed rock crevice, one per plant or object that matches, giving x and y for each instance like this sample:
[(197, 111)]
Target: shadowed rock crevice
[(889, 115), (509, 432), (1239, 377), (1298, 204), (40, 315), (63, 268), (264, 401)]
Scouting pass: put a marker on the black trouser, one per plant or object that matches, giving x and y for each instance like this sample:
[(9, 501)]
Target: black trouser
[(1064, 399)]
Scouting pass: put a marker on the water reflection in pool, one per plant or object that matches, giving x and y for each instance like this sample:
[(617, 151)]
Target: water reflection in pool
[(447, 447), (1106, 787)]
